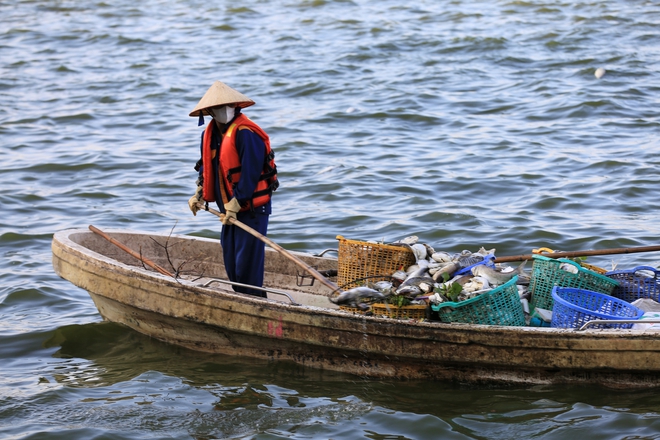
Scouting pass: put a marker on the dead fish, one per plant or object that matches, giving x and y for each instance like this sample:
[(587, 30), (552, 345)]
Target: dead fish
[(400, 275), (469, 260), (381, 285), (482, 251), (409, 291), (420, 251), (408, 240), (449, 268), (441, 257), (355, 296), (416, 272), (496, 277), (424, 283)]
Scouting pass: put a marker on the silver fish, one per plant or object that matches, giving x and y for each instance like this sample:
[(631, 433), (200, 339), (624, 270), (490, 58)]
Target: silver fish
[(381, 285), (419, 272), (410, 291), (496, 277), (448, 268), (400, 275), (355, 296), (424, 283)]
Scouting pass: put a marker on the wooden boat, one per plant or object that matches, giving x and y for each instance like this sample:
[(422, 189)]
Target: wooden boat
[(198, 310)]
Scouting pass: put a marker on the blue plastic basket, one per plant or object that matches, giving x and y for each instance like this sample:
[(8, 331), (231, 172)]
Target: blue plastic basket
[(634, 284), (499, 306), (575, 307)]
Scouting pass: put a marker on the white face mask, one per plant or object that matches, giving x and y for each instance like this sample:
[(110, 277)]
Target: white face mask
[(222, 114)]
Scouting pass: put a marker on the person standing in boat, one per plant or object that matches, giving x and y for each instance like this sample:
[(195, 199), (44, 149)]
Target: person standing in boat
[(237, 171)]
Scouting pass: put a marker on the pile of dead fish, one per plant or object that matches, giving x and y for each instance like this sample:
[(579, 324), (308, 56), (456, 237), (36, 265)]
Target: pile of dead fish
[(436, 277)]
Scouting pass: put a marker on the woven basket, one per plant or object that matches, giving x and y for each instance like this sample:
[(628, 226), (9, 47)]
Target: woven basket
[(357, 310), (633, 285), (360, 259), (547, 273), (575, 307), (404, 312), (499, 306)]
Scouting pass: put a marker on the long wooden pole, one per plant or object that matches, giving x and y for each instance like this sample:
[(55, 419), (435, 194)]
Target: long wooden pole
[(120, 245), (313, 272), (572, 254)]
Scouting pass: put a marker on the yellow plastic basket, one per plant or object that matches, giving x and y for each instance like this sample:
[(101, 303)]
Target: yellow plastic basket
[(358, 260), (599, 270), (593, 268)]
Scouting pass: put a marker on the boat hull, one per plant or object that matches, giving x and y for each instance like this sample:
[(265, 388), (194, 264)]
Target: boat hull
[(217, 320)]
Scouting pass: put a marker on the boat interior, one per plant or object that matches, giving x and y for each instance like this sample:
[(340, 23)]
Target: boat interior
[(199, 259)]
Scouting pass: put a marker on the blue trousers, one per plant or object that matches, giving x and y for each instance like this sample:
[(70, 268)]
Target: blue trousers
[(244, 253)]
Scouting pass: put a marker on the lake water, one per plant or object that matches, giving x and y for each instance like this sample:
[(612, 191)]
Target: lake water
[(467, 124)]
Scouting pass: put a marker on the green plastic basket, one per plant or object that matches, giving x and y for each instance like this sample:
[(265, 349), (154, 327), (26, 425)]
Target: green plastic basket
[(499, 306), (547, 273)]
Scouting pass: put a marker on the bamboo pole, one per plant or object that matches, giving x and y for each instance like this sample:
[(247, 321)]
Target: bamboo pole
[(313, 272), (572, 254)]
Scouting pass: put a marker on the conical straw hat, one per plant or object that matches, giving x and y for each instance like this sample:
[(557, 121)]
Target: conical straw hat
[(220, 94)]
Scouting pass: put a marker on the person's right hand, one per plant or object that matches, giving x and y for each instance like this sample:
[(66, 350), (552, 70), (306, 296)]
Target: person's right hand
[(231, 209)]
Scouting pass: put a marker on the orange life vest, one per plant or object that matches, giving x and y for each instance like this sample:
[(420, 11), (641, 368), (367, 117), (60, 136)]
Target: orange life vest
[(229, 167)]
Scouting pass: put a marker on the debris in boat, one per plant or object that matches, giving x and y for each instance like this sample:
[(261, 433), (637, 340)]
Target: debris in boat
[(647, 304), (438, 277), (498, 277), (540, 318), (476, 284), (651, 310), (525, 305), (357, 296), (428, 282)]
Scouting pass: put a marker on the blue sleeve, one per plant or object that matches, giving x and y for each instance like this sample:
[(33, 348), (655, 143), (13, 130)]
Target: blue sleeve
[(199, 167), (251, 151)]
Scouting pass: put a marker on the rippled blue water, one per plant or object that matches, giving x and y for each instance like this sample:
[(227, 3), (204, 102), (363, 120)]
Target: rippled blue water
[(464, 123)]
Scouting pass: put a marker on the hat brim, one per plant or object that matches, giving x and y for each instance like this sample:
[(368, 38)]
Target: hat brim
[(220, 94)]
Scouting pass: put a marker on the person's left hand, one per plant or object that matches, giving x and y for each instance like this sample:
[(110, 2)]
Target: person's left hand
[(231, 209), (192, 202)]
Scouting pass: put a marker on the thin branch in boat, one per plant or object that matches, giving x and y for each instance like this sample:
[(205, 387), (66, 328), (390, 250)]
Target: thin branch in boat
[(178, 271), (142, 260), (165, 246)]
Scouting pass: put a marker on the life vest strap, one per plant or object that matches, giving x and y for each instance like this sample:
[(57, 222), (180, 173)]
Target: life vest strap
[(268, 174), (232, 171)]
